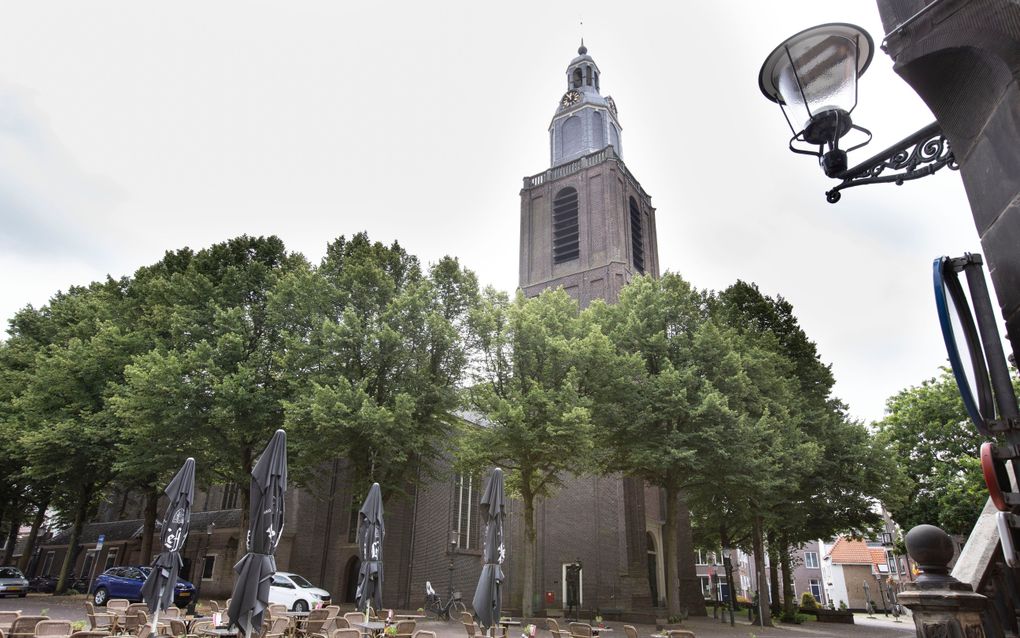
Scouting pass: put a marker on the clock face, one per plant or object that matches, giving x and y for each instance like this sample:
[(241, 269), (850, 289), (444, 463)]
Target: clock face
[(570, 98)]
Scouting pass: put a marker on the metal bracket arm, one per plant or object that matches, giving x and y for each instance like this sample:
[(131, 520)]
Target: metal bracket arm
[(917, 155)]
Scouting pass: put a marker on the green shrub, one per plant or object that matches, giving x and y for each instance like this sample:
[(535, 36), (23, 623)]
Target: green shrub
[(807, 601), (842, 605)]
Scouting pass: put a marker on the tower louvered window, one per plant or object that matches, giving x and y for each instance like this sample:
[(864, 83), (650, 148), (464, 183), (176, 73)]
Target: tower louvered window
[(566, 235), (637, 240)]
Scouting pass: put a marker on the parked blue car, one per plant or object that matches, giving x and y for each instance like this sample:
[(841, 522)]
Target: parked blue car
[(126, 582)]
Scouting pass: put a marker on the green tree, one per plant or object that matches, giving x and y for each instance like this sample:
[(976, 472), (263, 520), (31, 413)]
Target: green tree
[(928, 432), (214, 378), (70, 432), (527, 387), (375, 349)]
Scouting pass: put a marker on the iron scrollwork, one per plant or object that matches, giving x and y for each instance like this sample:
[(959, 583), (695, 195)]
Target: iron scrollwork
[(919, 155)]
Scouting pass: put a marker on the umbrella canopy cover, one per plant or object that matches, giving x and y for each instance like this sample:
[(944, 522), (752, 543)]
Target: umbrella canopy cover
[(255, 570), (158, 590), (371, 531), (487, 600)]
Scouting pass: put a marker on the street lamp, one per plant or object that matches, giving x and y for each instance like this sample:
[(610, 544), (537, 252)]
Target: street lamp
[(454, 538), (813, 76)]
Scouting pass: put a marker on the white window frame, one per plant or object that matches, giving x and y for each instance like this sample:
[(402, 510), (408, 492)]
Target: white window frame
[(111, 555), (816, 583), (809, 558), (580, 585), (466, 512), (204, 559)]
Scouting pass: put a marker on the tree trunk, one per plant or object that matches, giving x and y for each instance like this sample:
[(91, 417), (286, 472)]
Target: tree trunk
[(759, 567), (671, 560), (40, 516), (245, 494), (149, 524), (790, 605), (12, 540), (775, 602), (72, 542), (528, 582)]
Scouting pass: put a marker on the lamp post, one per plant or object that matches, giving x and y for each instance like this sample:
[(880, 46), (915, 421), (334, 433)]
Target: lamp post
[(728, 566), (454, 537), (813, 77)]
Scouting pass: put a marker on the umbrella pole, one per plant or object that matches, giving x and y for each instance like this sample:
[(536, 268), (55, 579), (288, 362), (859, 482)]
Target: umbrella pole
[(155, 614)]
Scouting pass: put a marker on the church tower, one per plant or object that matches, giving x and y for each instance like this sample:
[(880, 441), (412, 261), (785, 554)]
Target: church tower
[(586, 222)]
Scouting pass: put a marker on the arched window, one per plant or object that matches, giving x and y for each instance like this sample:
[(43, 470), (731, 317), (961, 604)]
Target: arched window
[(565, 231), (587, 78), (653, 569), (578, 78), (598, 134), (571, 138), (614, 139), (637, 239)]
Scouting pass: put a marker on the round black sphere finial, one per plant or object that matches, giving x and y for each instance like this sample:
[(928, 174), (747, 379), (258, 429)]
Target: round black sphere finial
[(581, 50), (932, 549)]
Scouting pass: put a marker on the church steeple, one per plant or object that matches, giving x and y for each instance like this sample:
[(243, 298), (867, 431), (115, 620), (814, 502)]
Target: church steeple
[(585, 121)]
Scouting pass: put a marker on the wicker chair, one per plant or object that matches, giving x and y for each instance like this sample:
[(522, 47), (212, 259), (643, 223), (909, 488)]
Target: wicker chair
[(355, 617), (276, 609), (580, 630), (405, 628), (100, 620), (631, 631), (170, 612), (421, 633), (178, 627), (7, 619), (346, 632), (277, 628), (680, 633), (53, 628), (90, 634), (469, 624), (314, 623), (554, 629), (24, 626)]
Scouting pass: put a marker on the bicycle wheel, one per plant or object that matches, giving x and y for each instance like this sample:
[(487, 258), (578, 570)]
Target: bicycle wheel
[(432, 609), (456, 609)]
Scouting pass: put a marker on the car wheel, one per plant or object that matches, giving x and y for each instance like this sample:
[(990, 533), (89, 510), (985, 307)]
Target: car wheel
[(100, 597), (301, 606)]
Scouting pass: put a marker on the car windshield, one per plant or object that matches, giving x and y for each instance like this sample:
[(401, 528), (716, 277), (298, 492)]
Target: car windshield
[(145, 571), (301, 582), (10, 572)]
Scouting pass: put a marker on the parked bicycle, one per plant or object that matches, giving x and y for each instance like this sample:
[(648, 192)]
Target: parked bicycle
[(435, 607)]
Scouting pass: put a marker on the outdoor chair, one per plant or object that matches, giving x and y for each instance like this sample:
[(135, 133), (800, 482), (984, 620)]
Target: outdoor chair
[(7, 619), (631, 631), (53, 628), (421, 633), (354, 617), (314, 623), (170, 612), (277, 628), (100, 620), (198, 627), (339, 622), (469, 624), (118, 607), (276, 609), (346, 632), (178, 627), (554, 628), (405, 628), (90, 634), (24, 626), (580, 630), (680, 633)]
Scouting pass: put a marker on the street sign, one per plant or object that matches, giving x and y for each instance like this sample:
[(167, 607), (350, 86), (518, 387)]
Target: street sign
[(99, 543)]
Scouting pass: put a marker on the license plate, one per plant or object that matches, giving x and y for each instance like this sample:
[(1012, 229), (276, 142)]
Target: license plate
[(185, 594), (12, 589)]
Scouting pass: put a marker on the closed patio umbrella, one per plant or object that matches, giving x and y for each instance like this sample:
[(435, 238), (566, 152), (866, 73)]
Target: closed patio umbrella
[(371, 531), (265, 525), (158, 590), (486, 602)]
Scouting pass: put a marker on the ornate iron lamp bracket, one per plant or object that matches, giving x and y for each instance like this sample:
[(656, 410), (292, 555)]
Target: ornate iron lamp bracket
[(918, 155)]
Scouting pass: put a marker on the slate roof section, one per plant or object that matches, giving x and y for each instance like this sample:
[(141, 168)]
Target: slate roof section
[(127, 530)]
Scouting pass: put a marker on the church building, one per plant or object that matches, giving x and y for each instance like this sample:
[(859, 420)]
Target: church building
[(587, 225)]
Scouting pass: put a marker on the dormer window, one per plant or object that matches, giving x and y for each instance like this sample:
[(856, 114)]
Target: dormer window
[(578, 79)]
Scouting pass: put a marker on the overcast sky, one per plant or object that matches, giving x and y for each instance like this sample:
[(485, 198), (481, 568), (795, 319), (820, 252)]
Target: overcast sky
[(128, 129)]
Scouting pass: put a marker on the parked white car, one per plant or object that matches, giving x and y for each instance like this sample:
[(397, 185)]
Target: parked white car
[(294, 591)]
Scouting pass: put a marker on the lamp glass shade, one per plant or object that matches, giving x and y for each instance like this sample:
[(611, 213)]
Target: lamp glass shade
[(816, 70)]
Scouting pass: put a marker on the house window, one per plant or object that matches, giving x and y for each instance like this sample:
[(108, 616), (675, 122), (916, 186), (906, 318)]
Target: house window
[(706, 587), (229, 500), (816, 589), (111, 558), (811, 560), (467, 512), (566, 231), (47, 564), (208, 567), (637, 239)]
